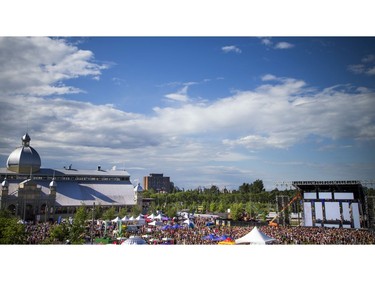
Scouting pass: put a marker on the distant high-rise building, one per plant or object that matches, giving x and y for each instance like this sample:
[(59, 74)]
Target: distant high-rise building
[(157, 182)]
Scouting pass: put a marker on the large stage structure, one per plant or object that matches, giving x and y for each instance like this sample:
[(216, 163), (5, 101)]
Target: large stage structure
[(333, 204)]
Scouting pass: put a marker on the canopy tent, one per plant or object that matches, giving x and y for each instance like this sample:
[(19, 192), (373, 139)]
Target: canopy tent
[(125, 219), (152, 216), (116, 219), (161, 217), (255, 236), (140, 217), (155, 223), (134, 240), (228, 241)]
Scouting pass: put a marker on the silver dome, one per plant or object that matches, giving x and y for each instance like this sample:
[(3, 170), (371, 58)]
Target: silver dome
[(5, 183), (24, 159), (53, 184)]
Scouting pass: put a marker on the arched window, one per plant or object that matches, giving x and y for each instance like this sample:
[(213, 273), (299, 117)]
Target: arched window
[(12, 209)]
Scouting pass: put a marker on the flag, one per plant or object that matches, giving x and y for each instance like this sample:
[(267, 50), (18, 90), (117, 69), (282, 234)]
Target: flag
[(105, 228), (120, 227)]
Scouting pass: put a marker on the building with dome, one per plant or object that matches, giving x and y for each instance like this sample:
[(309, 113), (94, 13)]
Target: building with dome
[(40, 194)]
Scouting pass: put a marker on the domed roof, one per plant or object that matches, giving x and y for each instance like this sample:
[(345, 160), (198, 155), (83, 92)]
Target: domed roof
[(24, 159), (53, 183), (5, 183)]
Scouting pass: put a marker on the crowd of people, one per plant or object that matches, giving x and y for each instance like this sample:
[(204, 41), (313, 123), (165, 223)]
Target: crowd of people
[(193, 234)]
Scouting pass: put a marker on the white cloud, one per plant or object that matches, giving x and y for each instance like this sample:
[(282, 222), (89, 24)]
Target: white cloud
[(356, 68), (366, 67), (229, 49), (278, 114), (284, 45), (180, 95), (371, 71), (278, 46), (38, 65), (266, 41), (368, 58), (268, 77)]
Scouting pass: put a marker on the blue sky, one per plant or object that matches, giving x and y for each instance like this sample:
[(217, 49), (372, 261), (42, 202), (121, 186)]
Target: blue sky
[(202, 110)]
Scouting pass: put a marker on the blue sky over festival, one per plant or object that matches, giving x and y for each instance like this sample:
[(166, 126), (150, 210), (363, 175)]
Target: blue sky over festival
[(202, 110)]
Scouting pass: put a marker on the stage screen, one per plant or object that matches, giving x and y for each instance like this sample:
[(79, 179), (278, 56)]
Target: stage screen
[(345, 211), (325, 195), (309, 195), (307, 214), (332, 210), (343, 195), (355, 213), (318, 211)]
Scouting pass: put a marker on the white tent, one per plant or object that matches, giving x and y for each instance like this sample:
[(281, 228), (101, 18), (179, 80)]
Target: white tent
[(140, 217), (116, 219), (155, 223), (161, 217), (152, 216), (125, 219), (134, 240), (255, 236)]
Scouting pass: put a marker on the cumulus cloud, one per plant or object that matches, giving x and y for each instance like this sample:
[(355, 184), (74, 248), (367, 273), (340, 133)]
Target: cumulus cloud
[(280, 113), (366, 67), (39, 65), (279, 45), (180, 95), (231, 49), (266, 41), (284, 45)]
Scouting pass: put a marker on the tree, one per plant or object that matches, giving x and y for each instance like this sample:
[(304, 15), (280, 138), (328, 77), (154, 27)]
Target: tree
[(11, 232), (109, 214), (77, 230), (58, 233), (236, 211), (257, 186), (136, 210), (244, 188)]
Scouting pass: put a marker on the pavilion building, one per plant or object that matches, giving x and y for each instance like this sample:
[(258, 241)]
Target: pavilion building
[(40, 194)]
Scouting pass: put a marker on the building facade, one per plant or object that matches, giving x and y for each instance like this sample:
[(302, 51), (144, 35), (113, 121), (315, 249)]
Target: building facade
[(157, 182), (40, 194)]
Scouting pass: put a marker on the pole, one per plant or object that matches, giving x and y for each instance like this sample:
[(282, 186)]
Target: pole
[(92, 224), (45, 213)]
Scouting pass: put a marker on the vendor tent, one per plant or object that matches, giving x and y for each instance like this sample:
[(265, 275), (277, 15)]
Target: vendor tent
[(151, 217), (155, 223), (255, 236), (161, 217), (134, 240), (125, 219), (116, 219)]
